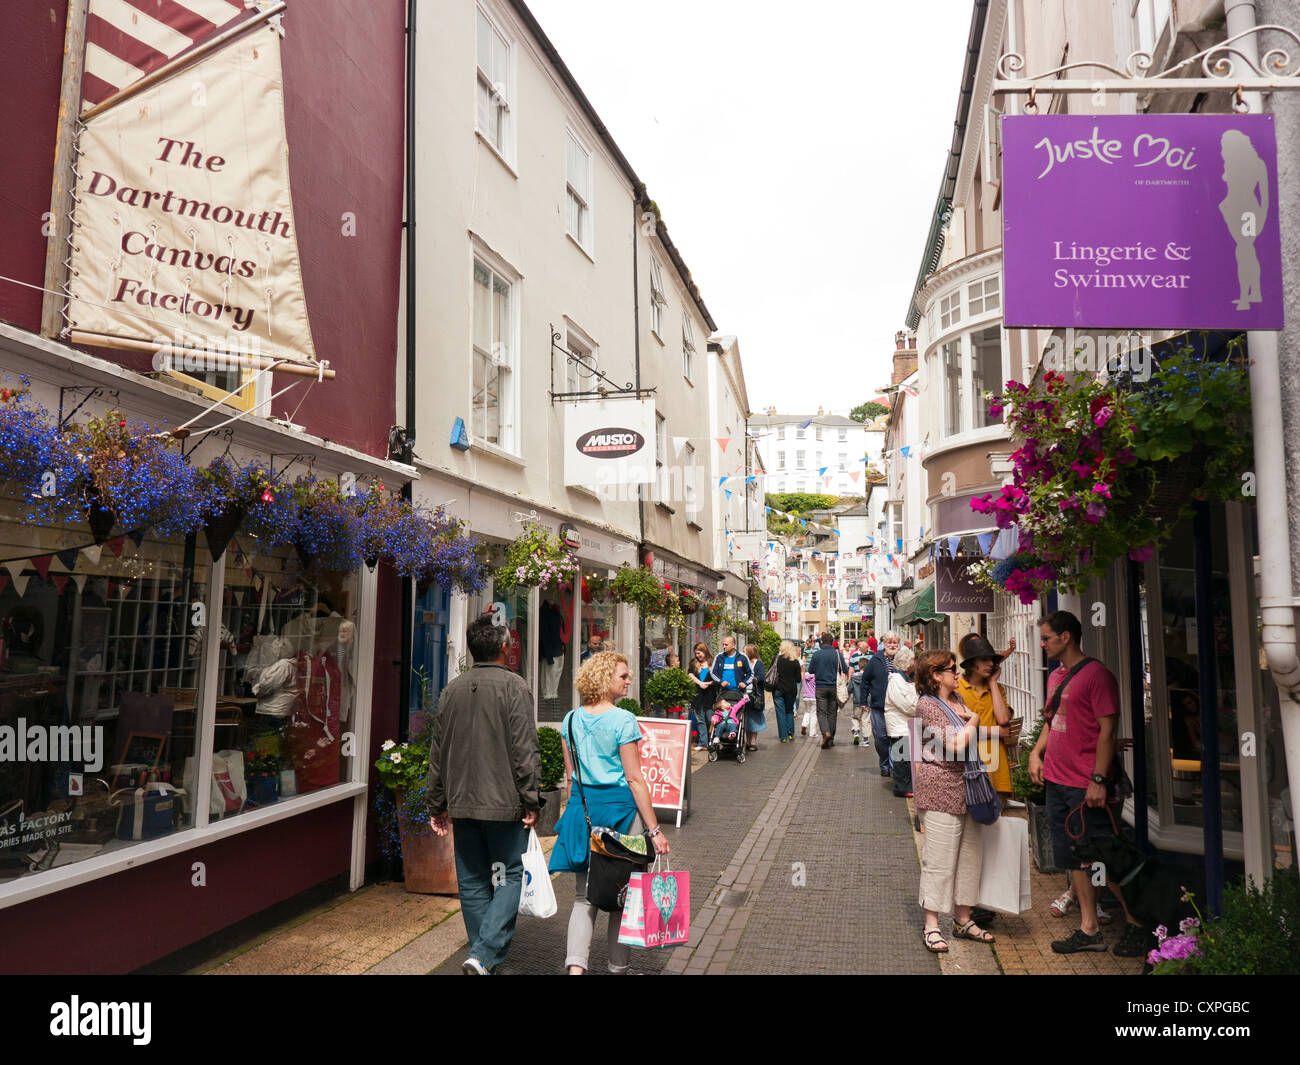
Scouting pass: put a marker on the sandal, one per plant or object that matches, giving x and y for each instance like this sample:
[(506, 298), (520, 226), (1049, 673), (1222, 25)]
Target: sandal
[(1062, 903), (932, 945), (964, 931), (752, 747)]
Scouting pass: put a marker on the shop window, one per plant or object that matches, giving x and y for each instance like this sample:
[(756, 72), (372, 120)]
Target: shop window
[(288, 677), (101, 674), (555, 694)]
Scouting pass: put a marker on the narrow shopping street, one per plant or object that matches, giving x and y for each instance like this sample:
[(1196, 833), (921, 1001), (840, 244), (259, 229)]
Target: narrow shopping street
[(801, 861)]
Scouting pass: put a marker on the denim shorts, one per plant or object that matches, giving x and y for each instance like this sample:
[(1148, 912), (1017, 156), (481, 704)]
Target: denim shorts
[(1061, 800)]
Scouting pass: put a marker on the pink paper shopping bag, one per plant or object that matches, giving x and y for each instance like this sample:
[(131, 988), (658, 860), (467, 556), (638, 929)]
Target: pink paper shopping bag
[(631, 929), (666, 900)]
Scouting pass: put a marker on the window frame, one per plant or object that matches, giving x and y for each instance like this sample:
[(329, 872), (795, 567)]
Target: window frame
[(507, 391), (586, 212), (502, 142), (658, 298), (688, 348)]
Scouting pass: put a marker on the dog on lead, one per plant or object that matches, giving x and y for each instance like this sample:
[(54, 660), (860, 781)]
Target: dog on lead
[(1152, 889)]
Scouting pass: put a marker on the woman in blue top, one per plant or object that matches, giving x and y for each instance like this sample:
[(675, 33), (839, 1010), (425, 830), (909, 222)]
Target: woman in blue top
[(605, 737)]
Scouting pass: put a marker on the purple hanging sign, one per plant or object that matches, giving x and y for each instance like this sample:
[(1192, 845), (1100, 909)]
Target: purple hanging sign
[(1127, 221)]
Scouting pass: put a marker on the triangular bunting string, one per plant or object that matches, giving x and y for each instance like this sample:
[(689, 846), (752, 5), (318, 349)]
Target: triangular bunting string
[(68, 558), (41, 564), (115, 545), (79, 579), (60, 581), (722, 442), (92, 552)]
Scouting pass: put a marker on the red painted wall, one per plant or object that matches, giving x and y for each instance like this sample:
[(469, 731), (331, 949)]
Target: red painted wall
[(31, 66), (387, 686), (344, 80), (119, 923)]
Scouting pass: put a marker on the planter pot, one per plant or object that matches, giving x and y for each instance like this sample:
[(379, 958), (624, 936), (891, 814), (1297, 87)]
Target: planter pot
[(550, 815), (100, 519), (264, 791), (1175, 481), (429, 859), (221, 529), (1040, 838)]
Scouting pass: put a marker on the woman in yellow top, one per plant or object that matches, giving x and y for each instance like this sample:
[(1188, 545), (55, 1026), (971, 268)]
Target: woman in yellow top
[(979, 689)]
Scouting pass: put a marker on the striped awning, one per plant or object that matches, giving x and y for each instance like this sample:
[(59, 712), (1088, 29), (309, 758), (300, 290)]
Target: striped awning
[(126, 39)]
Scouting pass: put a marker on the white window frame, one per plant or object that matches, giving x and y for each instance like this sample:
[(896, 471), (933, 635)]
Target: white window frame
[(508, 391), (661, 457), (688, 481), (983, 296), (688, 347), (950, 310), (1150, 18), (579, 343), (780, 461), (501, 140), (843, 436), (585, 237), (658, 299)]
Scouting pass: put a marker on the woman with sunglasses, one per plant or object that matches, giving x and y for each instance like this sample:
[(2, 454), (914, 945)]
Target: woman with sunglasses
[(951, 852)]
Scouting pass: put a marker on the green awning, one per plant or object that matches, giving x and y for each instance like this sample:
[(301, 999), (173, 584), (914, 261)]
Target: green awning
[(917, 608)]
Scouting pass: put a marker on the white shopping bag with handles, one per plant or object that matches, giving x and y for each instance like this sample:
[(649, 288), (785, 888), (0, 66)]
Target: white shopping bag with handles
[(537, 897)]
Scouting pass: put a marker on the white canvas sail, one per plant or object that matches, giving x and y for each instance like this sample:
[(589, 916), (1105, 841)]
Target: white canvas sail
[(183, 222)]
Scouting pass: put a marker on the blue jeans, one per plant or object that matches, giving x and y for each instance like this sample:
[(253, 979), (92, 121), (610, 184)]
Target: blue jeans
[(784, 712), (489, 910), (726, 729), (880, 738)]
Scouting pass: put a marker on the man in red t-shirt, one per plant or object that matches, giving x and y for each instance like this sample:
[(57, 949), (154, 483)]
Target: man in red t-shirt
[(1073, 758)]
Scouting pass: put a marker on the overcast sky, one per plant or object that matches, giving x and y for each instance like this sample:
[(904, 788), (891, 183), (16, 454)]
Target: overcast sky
[(795, 151)]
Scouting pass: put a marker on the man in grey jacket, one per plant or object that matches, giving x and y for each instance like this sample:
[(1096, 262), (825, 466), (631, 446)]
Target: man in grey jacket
[(484, 770)]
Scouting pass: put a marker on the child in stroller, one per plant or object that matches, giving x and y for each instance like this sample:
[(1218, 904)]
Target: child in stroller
[(729, 733)]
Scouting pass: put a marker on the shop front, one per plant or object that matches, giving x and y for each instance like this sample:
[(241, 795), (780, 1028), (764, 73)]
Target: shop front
[(551, 630), (178, 722)]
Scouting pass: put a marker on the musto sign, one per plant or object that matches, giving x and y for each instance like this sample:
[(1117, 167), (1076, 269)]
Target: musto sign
[(609, 442), (1155, 221)]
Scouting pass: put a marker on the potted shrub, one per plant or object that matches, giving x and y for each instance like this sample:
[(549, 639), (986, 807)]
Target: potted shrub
[(552, 783), (639, 587), (1034, 796), (631, 705), (429, 860), (1258, 934), (669, 687)]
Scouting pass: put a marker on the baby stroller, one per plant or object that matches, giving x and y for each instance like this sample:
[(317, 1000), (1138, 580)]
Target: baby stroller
[(733, 742)]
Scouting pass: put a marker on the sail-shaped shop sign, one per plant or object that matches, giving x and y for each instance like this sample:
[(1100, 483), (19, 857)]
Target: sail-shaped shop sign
[(184, 222)]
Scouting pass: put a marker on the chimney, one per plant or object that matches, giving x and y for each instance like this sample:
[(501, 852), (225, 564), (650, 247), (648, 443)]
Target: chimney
[(904, 357), (819, 410)]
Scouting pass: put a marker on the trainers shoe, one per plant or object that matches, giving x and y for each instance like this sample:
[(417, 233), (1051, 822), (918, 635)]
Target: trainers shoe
[(1079, 941), (1133, 943), (474, 967), (1062, 903)]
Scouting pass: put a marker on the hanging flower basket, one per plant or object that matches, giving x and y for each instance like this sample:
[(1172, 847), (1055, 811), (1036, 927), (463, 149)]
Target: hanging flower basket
[(232, 489), (639, 587), (100, 519), (1107, 470), (328, 536), (140, 475), (690, 601), (537, 559)]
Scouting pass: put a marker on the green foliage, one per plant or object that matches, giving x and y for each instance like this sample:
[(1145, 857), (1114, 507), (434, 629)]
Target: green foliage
[(1024, 788), (757, 601), (669, 688), (1258, 934), (639, 587), (798, 504), (631, 705), (769, 643), (868, 412), (552, 752), (404, 765), (537, 558)]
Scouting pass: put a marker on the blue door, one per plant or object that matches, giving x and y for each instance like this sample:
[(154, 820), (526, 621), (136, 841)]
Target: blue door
[(429, 650)]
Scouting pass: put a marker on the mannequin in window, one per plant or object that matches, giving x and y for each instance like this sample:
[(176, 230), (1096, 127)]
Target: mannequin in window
[(551, 645)]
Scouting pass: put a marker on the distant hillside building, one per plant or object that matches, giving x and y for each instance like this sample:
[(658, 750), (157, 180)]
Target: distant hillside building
[(819, 452)]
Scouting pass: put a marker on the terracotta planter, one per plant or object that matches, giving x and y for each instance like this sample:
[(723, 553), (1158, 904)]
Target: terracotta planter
[(428, 859)]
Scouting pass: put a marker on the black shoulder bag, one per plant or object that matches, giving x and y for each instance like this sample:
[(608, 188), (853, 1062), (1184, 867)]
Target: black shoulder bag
[(613, 857), (1118, 785)]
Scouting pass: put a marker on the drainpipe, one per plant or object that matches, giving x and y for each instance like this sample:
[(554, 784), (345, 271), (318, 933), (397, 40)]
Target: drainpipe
[(408, 591), (1277, 600), (637, 202)]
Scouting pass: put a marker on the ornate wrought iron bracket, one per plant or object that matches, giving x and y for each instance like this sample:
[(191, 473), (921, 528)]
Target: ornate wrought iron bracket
[(587, 369), (88, 392), (1224, 68)]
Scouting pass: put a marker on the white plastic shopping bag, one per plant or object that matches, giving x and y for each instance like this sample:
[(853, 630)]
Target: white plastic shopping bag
[(1004, 866), (537, 898)]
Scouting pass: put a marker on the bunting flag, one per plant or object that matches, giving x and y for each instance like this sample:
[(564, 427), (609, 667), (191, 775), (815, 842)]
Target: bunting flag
[(721, 481), (41, 564), (855, 475), (79, 579), (822, 472), (115, 545), (60, 582), (985, 540), (898, 547), (68, 558), (722, 442), (92, 552), (751, 477), (137, 537), (19, 581), (904, 450), (728, 491), (954, 544)]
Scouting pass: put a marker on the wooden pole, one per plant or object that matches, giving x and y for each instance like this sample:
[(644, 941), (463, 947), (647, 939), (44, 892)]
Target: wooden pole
[(59, 224), (231, 360)]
